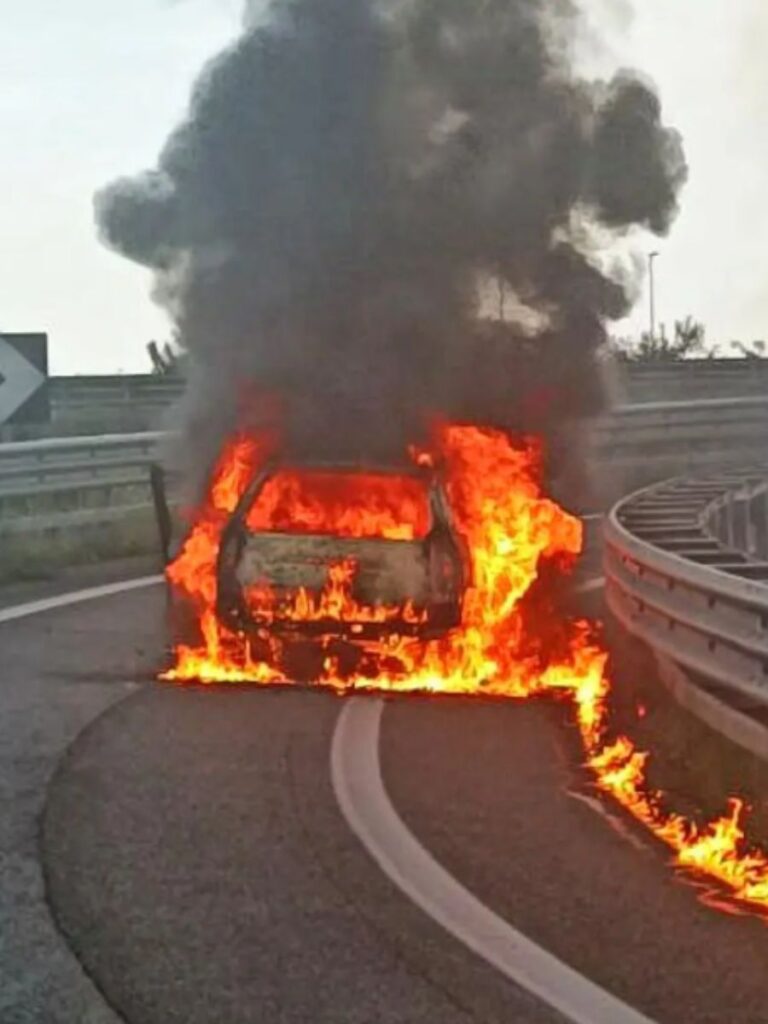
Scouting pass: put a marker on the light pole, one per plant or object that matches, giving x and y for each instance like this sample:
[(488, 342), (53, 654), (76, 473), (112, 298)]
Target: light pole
[(651, 258)]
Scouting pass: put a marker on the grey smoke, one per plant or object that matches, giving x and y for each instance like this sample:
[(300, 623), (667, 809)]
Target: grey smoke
[(347, 174)]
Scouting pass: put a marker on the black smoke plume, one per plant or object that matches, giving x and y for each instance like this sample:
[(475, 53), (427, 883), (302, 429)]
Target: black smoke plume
[(357, 181)]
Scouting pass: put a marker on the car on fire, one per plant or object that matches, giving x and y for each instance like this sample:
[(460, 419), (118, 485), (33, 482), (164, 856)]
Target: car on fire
[(318, 550), (337, 550)]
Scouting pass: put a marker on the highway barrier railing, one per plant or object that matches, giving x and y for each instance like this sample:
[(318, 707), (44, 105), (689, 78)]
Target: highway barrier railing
[(74, 482), (687, 571), (59, 483), (740, 518)]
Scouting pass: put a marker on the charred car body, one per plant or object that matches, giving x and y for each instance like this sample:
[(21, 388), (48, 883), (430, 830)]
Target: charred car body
[(397, 584), (384, 560)]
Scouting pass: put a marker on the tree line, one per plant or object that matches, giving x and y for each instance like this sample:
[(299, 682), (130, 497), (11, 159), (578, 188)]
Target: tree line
[(688, 340)]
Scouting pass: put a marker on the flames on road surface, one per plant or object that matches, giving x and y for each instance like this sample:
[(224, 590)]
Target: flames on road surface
[(511, 643)]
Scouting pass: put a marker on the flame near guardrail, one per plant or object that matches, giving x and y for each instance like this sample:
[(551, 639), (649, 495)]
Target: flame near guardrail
[(44, 484)]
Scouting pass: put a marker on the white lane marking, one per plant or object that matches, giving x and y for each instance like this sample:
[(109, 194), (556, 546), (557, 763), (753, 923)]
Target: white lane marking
[(359, 788), (363, 800), (590, 585), (619, 826), (592, 517), (47, 604)]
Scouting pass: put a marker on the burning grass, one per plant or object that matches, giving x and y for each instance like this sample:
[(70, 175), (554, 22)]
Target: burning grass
[(512, 643)]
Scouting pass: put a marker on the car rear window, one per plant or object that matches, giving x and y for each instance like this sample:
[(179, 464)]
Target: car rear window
[(342, 504)]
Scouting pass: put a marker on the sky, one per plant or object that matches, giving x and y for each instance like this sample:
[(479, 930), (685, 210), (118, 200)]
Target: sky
[(91, 89)]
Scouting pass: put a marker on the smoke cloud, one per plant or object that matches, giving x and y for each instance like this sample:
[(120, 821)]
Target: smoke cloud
[(357, 184)]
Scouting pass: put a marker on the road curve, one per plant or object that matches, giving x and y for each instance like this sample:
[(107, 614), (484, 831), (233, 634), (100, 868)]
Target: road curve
[(495, 794), (199, 866), (59, 669), (362, 796)]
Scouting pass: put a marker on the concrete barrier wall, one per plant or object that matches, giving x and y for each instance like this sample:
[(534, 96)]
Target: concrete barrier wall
[(688, 381), (135, 402), (691, 380)]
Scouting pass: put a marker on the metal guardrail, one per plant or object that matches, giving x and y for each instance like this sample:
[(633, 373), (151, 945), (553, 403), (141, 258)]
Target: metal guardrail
[(37, 478), (683, 577), (65, 483), (740, 519), (102, 404), (686, 561)]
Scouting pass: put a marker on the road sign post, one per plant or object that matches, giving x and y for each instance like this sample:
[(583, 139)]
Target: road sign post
[(23, 379)]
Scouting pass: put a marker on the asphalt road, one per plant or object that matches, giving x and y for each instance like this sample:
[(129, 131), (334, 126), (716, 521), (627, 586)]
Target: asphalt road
[(198, 867), (58, 672)]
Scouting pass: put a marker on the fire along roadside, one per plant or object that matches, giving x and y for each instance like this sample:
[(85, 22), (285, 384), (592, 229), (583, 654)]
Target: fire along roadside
[(512, 642)]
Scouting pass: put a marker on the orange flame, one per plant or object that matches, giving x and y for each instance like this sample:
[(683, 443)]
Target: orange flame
[(507, 645), (345, 505), (333, 603)]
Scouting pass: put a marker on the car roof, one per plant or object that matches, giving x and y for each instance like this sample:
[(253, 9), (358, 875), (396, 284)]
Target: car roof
[(404, 468)]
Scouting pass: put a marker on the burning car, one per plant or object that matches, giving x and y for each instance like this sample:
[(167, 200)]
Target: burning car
[(336, 550), (342, 552)]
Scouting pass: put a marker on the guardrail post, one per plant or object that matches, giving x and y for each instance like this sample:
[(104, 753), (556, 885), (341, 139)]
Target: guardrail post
[(716, 521), (740, 523), (725, 521), (758, 517)]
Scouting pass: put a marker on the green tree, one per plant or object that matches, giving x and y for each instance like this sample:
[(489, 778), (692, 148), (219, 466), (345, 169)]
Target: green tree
[(689, 339), (754, 350)]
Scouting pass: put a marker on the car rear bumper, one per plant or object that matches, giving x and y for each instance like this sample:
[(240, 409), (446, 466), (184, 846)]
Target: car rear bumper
[(439, 620), (184, 626)]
